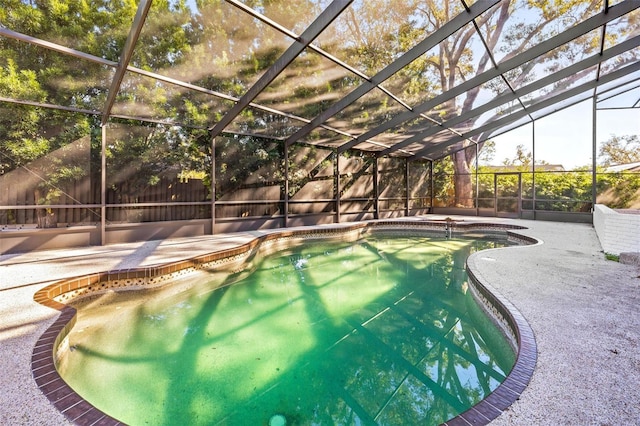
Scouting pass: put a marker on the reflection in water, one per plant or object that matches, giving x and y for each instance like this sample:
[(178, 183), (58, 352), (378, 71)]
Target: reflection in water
[(381, 331)]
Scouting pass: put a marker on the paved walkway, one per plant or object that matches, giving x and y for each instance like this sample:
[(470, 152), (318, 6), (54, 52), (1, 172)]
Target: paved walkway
[(584, 311)]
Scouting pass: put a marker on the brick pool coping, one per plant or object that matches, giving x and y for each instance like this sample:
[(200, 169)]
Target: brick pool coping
[(81, 412)]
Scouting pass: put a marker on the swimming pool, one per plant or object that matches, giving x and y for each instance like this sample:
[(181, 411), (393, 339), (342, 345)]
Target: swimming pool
[(382, 330), (394, 391)]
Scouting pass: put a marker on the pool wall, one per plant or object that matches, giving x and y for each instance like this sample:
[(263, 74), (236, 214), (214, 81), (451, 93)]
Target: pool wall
[(54, 342)]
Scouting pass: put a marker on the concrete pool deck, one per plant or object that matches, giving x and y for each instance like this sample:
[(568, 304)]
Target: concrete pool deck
[(583, 309)]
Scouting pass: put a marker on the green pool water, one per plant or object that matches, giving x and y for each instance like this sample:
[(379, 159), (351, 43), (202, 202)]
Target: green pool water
[(381, 331)]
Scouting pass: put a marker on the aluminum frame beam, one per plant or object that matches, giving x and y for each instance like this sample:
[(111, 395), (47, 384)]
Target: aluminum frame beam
[(55, 47), (49, 106), (294, 36), (125, 57), (311, 46), (583, 27), (325, 18), (415, 52), (506, 129), (611, 13), (602, 98), (96, 59), (535, 107), (512, 96)]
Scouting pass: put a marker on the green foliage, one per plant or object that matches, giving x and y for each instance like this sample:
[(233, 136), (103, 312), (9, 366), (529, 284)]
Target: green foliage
[(22, 84), (564, 191), (139, 155), (624, 186), (43, 133), (507, 35), (522, 160), (444, 180), (309, 164), (246, 163), (561, 191), (613, 257)]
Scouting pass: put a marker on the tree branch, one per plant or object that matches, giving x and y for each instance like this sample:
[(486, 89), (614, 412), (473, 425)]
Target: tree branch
[(491, 40)]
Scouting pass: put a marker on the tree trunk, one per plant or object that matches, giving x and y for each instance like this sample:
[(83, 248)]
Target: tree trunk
[(45, 218), (462, 180)]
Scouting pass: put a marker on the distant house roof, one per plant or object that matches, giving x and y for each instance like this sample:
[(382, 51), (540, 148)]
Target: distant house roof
[(629, 167)]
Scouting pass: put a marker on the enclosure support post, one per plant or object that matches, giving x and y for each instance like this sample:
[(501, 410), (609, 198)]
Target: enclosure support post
[(406, 187), (533, 167), (495, 194), (430, 186), (336, 173), (376, 200), (103, 186), (213, 186), (477, 183), (594, 192), (286, 185)]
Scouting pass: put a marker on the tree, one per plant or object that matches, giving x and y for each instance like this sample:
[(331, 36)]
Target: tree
[(218, 47), (488, 152), (509, 28), (522, 159), (620, 150), (506, 35), (27, 177), (46, 143), (63, 137), (53, 148), (621, 189)]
